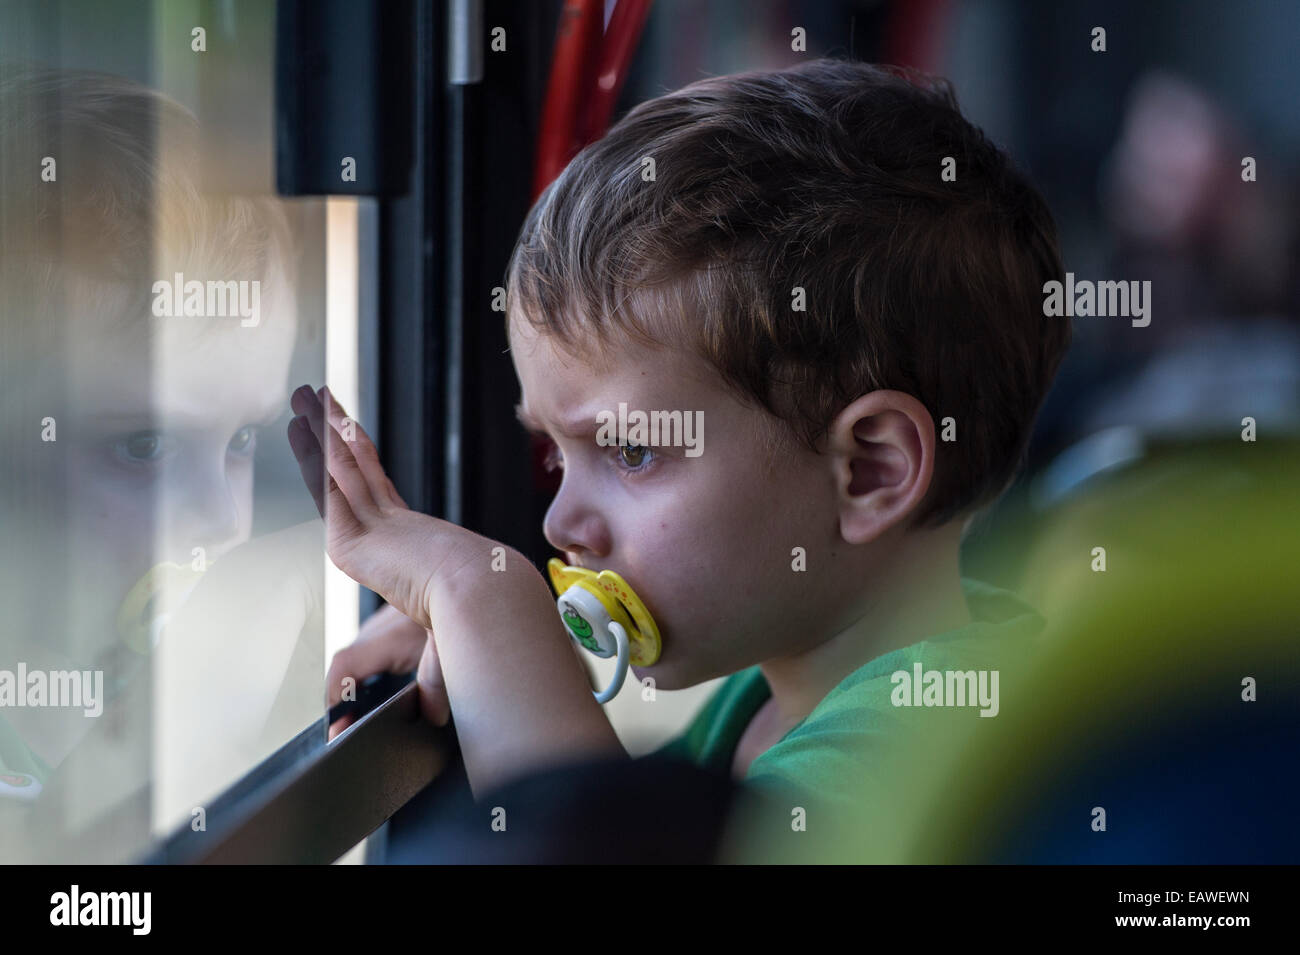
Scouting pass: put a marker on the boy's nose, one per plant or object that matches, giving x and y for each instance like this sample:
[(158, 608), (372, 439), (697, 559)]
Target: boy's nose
[(580, 535), (207, 515)]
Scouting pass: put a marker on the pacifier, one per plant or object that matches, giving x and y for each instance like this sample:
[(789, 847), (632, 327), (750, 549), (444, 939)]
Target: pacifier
[(149, 604), (604, 615)]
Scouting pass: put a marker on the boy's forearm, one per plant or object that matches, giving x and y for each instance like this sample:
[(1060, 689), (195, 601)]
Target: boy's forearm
[(520, 698)]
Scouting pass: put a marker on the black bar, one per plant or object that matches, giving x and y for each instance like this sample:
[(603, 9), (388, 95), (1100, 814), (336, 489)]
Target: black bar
[(411, 399), (342, 89)]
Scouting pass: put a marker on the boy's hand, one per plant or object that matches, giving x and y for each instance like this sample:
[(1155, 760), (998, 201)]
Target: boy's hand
[(371, 535), (390, 642), (521, 700)]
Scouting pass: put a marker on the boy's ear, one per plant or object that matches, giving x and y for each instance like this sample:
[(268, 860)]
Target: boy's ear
[(881, 450)]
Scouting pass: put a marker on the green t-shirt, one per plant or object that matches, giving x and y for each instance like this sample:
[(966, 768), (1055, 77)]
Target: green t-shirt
[(830, 754)]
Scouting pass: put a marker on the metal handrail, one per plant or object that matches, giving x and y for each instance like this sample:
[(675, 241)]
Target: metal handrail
[(309, 803)]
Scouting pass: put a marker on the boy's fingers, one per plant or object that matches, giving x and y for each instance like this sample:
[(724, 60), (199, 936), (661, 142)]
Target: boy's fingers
[(363, 451), (339, 725), (388, 642), (304, 402), (311, 462), (345, 471), (392, 493), (342, 475), (317, 407)]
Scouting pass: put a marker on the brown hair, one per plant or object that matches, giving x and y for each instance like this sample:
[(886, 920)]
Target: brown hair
[(127, 205), (824, 177)]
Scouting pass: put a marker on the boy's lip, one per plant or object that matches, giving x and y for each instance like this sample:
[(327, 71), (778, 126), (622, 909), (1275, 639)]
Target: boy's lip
[(151, 601)]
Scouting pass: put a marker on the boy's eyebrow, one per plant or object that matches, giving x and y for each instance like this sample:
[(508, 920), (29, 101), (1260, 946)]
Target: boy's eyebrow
[(578, 428), (150, 417), (274, 412)]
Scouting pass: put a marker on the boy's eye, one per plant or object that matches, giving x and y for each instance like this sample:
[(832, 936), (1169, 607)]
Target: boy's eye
[(143, 447), (635, 456), (244, 440)]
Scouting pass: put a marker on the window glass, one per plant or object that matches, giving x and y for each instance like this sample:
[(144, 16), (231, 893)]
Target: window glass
[(162, 566)]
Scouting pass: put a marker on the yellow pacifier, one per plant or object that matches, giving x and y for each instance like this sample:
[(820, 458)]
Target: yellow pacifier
[(149, 604), (604, 615)]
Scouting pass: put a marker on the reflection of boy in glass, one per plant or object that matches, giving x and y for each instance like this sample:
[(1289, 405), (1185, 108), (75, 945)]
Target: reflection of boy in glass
[(155, 418)]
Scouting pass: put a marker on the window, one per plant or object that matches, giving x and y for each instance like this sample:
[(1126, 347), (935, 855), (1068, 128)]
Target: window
[(162, 559)]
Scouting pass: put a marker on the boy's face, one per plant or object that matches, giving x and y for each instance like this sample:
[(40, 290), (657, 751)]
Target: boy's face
[(160, 428), (706, 541)]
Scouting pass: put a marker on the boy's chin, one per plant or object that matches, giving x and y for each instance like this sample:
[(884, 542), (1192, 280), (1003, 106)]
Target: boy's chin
[(664, 677)]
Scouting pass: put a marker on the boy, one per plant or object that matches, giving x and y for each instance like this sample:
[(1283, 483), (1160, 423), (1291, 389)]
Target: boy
[(844, 277), (130, 430)]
